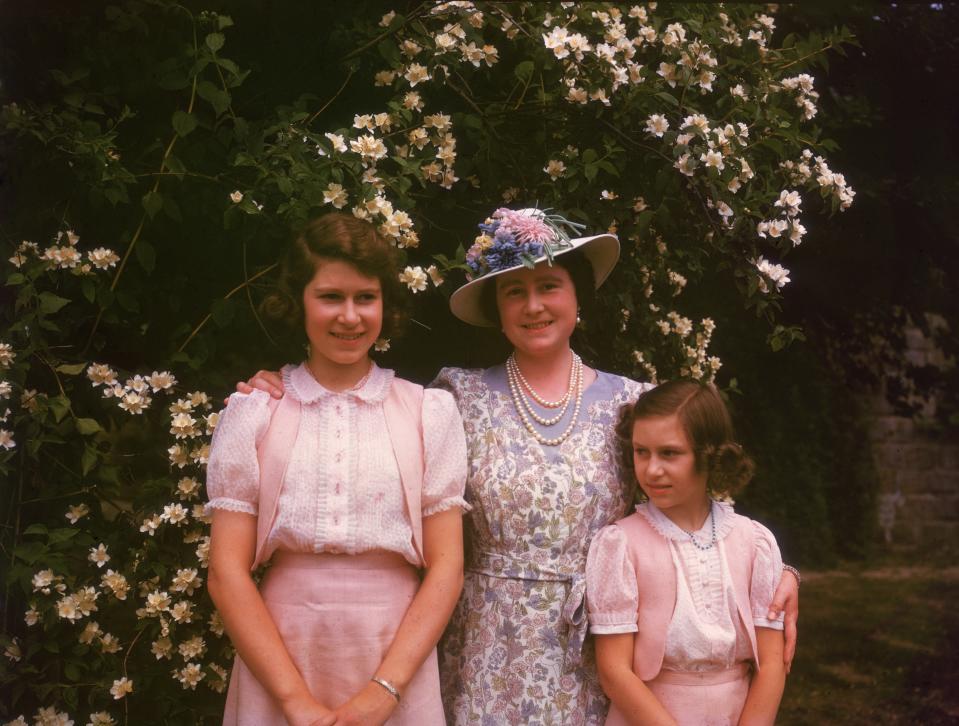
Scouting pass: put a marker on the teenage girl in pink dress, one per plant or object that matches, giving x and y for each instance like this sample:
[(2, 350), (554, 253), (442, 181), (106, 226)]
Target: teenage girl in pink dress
[(679, 591), (352, 496)]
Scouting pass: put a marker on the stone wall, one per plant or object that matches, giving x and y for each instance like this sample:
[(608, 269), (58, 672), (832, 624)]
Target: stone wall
[(917, 464)]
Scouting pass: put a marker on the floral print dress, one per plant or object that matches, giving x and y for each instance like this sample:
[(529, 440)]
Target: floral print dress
[(514, 651)]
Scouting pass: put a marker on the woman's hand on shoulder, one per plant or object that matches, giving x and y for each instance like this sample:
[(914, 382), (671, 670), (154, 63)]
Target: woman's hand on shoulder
[(786, 600), (269, 381), (372, 706)]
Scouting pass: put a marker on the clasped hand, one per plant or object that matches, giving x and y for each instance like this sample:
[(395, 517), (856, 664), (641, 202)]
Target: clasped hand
[(372, 706)]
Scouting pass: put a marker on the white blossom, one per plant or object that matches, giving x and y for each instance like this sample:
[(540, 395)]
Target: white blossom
[(337, 141), (98, 555), (777, 274), (121, 687), (414, 278), (555, 168), (190, 675), (657, 125), (416, 73)]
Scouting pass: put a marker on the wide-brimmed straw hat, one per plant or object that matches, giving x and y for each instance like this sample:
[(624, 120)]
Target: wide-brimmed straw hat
[(516, 238)]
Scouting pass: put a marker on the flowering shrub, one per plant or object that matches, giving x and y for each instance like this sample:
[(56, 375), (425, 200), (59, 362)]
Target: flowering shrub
[(157, 192)]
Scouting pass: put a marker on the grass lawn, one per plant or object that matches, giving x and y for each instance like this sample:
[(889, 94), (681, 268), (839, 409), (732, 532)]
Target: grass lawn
[(877, 646)]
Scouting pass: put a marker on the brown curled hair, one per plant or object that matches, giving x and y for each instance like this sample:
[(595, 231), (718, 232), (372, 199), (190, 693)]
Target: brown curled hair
[(336, 236), (706, 423)]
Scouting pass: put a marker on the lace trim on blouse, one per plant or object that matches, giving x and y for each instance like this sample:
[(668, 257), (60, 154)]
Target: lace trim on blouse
[(665, 527)]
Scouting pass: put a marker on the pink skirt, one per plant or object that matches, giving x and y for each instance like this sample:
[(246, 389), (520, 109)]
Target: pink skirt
[(708, 698), (337, 615)]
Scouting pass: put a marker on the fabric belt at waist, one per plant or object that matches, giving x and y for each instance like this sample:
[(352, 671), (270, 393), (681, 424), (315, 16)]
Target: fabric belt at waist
[(574, 607), (375, 560), (702, 678)]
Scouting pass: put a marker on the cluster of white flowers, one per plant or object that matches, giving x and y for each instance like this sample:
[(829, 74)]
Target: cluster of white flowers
[(776, 274), (134, 396), (7, 356), (789, 204), (599, 57), (761, 31), (452, 41), (64, 254), (698, 364), (640, 359), (806, 95), (811, 167)]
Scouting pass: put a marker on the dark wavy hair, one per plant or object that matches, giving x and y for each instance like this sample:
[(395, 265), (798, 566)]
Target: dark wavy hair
[(580, 271), (336, 236), (706, 423)]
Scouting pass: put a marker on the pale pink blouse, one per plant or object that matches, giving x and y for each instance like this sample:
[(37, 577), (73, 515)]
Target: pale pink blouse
[(705, 632), (342, 492)]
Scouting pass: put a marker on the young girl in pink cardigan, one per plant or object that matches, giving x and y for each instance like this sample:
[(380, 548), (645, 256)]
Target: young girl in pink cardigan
[(352, 487), (679, 591)]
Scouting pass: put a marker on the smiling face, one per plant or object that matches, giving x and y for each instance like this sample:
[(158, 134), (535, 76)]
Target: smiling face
[(537, 308), (665, 465), (343, 317)]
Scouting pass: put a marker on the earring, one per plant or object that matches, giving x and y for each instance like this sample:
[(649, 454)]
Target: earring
[(579, 319)]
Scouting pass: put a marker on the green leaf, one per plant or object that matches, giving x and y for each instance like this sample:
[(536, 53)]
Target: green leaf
[(50, 303), (62, 535), (218, 98), (174, 165), (146, 255), (589, 156), (36, 529), (152, 203), (89, 289), (87, 426), (72, 671), (183, 122), (668, 98), (16, 278), (59, 405), (72, 369), (30, 552), (223, 21), (215, 41), (524, 70)]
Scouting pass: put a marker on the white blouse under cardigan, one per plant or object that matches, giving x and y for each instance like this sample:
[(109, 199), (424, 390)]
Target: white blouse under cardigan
[(705, 632), (342, 491)]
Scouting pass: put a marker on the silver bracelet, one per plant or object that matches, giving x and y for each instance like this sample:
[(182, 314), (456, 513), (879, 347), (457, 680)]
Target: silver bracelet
[(388, 686), (790, 568)]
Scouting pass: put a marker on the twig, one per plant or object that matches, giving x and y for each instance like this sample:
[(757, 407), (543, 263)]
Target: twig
[(808, 55), (230, 294), (156, 186), (335, 96), (249, 297), (386, 33)]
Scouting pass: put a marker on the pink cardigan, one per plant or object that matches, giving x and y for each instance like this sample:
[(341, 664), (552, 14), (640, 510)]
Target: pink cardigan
[(648, 553), (403, 408)]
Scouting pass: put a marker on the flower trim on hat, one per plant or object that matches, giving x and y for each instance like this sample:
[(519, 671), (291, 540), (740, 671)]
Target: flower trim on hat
[(514, 237)]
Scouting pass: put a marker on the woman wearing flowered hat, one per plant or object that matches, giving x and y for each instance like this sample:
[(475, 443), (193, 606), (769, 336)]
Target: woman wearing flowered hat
[(543, 478)]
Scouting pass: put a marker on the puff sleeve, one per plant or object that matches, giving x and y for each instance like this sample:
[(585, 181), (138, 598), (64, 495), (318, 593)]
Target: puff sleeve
[(232, 472), (444, 448), (767, 571), (612, 594)]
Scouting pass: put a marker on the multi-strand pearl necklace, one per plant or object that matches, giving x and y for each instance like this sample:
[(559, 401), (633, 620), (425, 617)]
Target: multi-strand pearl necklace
[(574, 392)]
